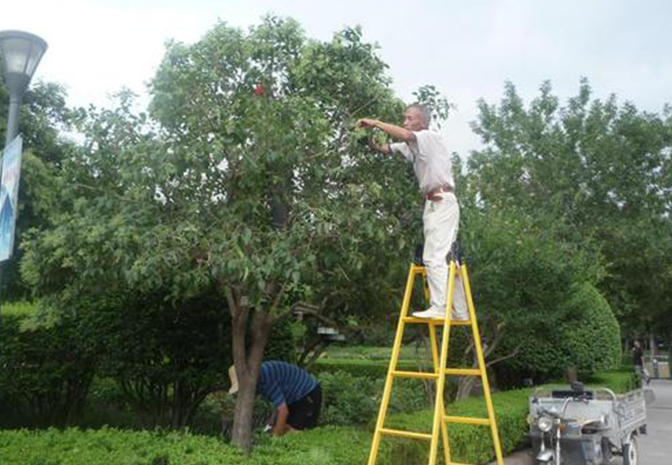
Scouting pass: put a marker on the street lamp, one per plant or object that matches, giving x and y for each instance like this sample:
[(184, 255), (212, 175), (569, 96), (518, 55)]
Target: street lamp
[(21, 53)]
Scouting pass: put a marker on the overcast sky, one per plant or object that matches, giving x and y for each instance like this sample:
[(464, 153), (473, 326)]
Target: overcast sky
[(465, 48)]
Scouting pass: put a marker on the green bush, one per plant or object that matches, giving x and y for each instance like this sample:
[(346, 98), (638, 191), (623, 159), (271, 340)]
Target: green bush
[(166, 357), (323, 446), (328, 445), (281, 342), (593, 343), (347, 400), (468, 443), (369, 368), (586, 339), (46, 370), (352, 400)]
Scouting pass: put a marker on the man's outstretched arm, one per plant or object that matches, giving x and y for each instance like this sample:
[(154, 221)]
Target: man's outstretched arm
[(393, 130)]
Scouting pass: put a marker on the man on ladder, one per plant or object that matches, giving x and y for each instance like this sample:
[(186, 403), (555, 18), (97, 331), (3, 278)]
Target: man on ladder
[(447, 284), (429, 154)]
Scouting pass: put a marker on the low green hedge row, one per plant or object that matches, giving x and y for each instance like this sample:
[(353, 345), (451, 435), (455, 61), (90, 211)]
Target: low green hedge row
[(365, 367), (469, 443), (322, 446)]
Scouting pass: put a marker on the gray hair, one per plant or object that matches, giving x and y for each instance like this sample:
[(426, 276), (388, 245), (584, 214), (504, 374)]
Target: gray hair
[(424, 111)]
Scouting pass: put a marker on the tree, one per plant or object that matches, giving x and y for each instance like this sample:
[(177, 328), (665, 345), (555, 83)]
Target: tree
[(522, 275), (599, 167), (244, 177)]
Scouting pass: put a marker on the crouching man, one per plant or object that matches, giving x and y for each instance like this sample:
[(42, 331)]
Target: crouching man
[(295, 394)]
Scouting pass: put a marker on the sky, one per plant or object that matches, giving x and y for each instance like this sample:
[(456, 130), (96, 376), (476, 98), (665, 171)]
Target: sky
[(467, 49)]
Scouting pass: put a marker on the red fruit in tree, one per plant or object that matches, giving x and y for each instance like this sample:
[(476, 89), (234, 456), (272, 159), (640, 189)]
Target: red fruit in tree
[(259, 90)]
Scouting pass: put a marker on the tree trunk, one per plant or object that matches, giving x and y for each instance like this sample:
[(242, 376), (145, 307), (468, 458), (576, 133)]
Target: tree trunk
[(241, 435), (247, 369), (464, 387), (653, 345)]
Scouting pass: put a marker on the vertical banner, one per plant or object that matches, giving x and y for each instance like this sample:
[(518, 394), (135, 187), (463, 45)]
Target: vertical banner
[(9, 196)]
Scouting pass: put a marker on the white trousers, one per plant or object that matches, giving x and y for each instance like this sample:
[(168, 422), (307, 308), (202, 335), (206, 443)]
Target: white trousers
[(440, 221)]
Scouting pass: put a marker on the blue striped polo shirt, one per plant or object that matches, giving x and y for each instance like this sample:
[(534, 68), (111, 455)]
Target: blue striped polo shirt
[(283, 383)]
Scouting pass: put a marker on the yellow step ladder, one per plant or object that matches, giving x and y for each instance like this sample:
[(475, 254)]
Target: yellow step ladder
[(440, 370)]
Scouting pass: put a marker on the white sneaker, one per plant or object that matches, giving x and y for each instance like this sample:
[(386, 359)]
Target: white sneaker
[(432, 312)]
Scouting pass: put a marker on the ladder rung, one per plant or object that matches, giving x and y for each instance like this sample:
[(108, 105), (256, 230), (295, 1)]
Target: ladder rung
[(467, 420), (414, 374), (436, 321), (406, 434), (463, 371)]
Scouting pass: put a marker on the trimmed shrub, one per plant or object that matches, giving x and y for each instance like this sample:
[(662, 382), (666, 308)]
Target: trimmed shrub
[(165, 356), (347, 400), (592, 337), (587, 339), (368, 368), (324, 446), (468, 443), (352, 400), (45, 371), (281, 343)]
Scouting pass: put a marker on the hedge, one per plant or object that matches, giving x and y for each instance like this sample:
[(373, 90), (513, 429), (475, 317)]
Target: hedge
[(587, 339), (323, 446), (468, 443), (365, 367), (46, 371)]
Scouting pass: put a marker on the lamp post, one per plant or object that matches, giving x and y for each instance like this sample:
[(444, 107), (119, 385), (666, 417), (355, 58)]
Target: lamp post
[(21, 53)]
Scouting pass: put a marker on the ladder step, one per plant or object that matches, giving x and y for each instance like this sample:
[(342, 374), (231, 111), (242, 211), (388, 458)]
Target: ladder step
[(406, 434), (463, 371), (436, 321), (414, 374), (467, 420)]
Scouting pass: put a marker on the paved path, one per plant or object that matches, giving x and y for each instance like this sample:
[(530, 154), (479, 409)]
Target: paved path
[(656, 447)]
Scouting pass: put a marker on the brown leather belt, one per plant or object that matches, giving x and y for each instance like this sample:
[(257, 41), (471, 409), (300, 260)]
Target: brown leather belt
[(434, 196)]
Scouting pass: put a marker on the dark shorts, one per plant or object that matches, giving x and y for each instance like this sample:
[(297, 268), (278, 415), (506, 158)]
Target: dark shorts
[(304, 413)]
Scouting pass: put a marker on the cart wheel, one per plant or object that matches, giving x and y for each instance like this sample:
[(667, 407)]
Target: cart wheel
[(631, 452)]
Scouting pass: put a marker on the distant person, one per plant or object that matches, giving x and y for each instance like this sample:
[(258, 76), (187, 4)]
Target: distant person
[(295, 394), (638, 359), (428, 152)]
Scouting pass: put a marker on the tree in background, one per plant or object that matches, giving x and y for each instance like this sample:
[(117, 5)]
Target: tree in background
[(592, 174)]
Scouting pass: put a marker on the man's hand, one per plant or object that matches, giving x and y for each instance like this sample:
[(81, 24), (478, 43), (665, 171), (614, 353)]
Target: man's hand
[(281, 427), (397, 132), (382, 148), (367, 123)]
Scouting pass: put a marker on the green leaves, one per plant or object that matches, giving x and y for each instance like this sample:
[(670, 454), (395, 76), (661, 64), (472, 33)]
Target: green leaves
[(596, 167)]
